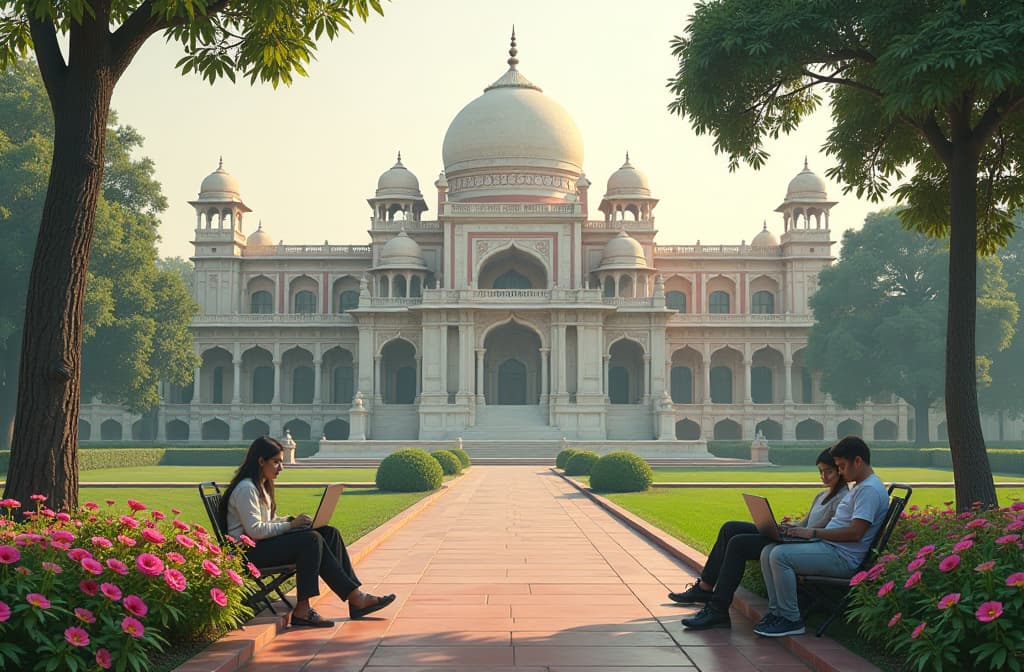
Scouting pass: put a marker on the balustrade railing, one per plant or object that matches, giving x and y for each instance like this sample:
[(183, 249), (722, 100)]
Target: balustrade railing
[(704, 318), (408, 225), (448, 296), (511, 209), (715, 251), (613, 225), (309, 251), (274, 318)]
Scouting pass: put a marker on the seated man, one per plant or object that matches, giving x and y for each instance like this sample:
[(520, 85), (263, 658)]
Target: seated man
[(844, 541)]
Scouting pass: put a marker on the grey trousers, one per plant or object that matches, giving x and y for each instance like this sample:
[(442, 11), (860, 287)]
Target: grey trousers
[(780, 563)]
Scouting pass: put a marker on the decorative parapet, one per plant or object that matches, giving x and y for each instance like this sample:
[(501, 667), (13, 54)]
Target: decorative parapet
[(603, 225), (285, 319), (406, 225), (454, 209), (507, 296), (747, 319), (699, 250), (358, 251)]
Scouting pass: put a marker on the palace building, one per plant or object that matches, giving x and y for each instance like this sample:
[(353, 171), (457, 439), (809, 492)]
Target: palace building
[(533, 304)]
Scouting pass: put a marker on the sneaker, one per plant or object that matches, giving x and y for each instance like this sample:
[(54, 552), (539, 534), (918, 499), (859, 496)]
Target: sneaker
[(691, 595), (707, 618), (780, 627), (768, 619)]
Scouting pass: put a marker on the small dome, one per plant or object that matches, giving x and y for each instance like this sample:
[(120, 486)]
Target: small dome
[(628, 182), (259, 237), (807, 187), (401, 252), (219, 186), (623, 251), (398, 182), (765, 238)]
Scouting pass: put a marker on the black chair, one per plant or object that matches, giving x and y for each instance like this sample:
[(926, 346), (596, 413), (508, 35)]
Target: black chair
[(271, 578), (831, 594)]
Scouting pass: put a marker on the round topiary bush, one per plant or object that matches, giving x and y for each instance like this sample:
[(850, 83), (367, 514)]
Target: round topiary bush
[(563, 457), (581, 463), (409, 470), (621, 471), (462, 455), (450, 464)]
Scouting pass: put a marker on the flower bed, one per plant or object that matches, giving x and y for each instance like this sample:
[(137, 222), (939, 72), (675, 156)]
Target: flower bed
[(106, 587), (951, 596)]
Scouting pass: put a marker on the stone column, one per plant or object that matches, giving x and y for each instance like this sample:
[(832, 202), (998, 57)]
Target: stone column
[(746, 381), (443, 362), (544, 354), (277, 382), (480, 399), (789, 381), (647, 377), (236, 381), (605, 370), (562, 387), (318, 365), (706, 365), (419, 376), (195, 385), (378, 380)]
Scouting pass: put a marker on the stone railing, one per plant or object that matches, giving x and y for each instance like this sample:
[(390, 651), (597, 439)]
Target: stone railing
[(295, 319), (408, 225), (715, 251), (451, 209), (506, 296), (227, 235), (646, 301), (628, 225), (386, 301), (309, 251), (749, 318)]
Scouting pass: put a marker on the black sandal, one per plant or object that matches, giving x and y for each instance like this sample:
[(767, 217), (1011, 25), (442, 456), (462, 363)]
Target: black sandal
[(356, 613), (311, 620)]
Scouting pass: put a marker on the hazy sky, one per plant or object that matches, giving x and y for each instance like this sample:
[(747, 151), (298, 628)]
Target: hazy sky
[(308, 156)]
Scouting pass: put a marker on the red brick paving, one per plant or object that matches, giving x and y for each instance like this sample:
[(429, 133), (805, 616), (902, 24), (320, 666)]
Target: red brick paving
[(514, 570)]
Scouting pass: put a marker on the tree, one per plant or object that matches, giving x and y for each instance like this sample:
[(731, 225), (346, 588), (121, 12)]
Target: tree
[(265, 41), (878, 316), (136, 315), (932, 87)]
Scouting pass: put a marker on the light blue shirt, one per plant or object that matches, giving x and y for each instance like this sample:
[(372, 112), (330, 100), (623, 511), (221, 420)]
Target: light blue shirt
[(867, 501)]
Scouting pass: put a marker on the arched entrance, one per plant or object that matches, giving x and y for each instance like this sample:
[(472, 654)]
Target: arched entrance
[(399, 372), (626, 372), (512, 269), (512, 366)]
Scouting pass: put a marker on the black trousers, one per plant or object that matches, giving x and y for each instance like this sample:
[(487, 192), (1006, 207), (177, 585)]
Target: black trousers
[(737, 543), (316, 554)]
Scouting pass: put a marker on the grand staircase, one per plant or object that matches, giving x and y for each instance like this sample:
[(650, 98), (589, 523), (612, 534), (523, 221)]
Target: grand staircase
[(520, 423)]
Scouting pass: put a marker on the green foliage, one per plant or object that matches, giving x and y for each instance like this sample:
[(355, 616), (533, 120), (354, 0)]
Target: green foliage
[(451, 465), (409, 470), (563, 457), (220, 457), (738, 450), (1004, 393), (109, 458), (621, 471), (462, 455), (951, 595), (581, 463)]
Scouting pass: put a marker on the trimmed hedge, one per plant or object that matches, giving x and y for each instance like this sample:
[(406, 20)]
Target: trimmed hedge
[(462, 455), (621, 471), (450, 463), (737, 450), (563, 457), (581, 463), (187, 457), (409, 470)]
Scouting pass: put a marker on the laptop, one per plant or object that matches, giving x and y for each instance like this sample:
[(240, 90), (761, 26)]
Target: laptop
[(328, 502), (764, 520)]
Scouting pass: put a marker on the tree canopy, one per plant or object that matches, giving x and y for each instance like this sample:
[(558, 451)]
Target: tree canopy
[(879, 314), (1004, 392), (926, 100)]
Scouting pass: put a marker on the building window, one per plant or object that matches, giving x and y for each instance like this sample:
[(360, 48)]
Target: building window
[(302, 385), (262, 303), (349, 299), (512, 279), (682, 385), (718, 303), (609, 287), (305, 303), (761, 385), (218, 385), (721, 385), (807, 385), (763, 303), (263, 385), (676, 301)]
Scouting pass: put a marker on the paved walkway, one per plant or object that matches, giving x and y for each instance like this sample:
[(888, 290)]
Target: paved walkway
[(515, 570)]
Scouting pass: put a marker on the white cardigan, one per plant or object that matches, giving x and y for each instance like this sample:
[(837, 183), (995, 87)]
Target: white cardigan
[(249, 513)]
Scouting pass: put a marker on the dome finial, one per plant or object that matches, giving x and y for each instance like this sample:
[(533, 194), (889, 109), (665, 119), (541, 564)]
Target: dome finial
[(764, 226), (805, 163), (260, 227), (399, 156), (220, 163), (512, 51)]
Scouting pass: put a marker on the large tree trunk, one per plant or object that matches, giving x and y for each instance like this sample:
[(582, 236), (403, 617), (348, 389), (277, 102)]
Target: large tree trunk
[(921, 431), (44, 450), (971, 470)]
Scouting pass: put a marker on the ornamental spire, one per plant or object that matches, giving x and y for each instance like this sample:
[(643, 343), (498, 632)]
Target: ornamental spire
[(512, 51)]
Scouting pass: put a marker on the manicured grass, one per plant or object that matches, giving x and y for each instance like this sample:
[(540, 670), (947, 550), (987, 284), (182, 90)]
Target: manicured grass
[(358, 512), (807, 474), (169, 474)]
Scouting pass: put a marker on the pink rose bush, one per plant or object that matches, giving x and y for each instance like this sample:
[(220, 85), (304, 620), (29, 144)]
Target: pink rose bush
[(951, 595), (71, 597)]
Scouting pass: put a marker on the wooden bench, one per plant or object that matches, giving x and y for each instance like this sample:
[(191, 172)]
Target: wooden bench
[(271, 578), (831, 594)]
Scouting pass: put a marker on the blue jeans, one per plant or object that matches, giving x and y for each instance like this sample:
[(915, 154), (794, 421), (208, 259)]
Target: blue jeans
[(780, 563)]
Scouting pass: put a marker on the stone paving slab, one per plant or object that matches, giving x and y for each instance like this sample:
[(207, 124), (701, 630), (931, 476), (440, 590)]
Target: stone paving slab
[(515, 570)]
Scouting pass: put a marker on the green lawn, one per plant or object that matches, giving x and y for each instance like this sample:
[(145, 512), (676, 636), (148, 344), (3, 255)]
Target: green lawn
[(159, 474), (796, 474)]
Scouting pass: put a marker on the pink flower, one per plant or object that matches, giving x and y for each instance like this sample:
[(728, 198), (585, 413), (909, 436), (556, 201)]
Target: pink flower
[(136, 505), (237, 580), (92, 506), (876, 571), (176, 511), (896, 618), (184, 541), (175, 580), (977, 522), (110, 502), (255, 571), (52, 567), (75, 636), (925, 550), (84, 615), (211, 568), (962, 545), (918, 630), (24, 571), (103, 658), (128, 521), (37, 600), (989, 611), (886, 587), (110, 591), (126, 540), (213, 548), (79, 554), (62, 535), (10, 503), (856, 579), (154, 536), (1016, 506), (909, 535), (149, 564), (88, 587), (1007, 539), (218, 596), (916, 563), (9, 555), (949, 563), (5, 611), (157, 515), (985, 566), (176, 558), (1015, 580), (38, 498), (92, 566), (63, 517), (133, 627), (948, 601), (117, 566), (245, 539), (135, 606), (181, 525), (102, 542), (912, 580), (1015, 525)]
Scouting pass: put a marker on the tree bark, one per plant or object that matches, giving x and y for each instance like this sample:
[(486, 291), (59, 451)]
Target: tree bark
[(44, 448), (921, 431), (971, 470)]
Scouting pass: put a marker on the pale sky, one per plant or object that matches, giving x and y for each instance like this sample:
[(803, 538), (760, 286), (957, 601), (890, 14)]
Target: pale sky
[(308, 156)]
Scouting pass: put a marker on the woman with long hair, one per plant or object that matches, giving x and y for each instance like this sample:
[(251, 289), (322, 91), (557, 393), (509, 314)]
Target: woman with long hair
[(249, 507), (739, 541)]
